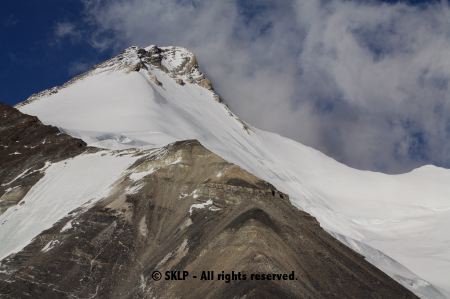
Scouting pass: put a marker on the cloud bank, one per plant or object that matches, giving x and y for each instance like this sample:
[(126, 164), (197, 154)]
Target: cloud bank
[(366, 82)]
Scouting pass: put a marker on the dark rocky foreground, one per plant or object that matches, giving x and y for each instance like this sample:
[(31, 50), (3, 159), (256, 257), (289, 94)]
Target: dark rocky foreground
[(179, 208), (25, 147)]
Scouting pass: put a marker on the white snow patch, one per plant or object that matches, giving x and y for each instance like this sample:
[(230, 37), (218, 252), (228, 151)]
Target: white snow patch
[(188, 222), (25, 173), (15, 153), (46, 165), (143, 229), (30, 146), (4, 271), (200, 206), (50, 245), (178, 160), (22, 174), (177, 255), (65, 186), (67, 226), (164, 260), (143, 283), (137, 176), (9, 189), (134, 189)]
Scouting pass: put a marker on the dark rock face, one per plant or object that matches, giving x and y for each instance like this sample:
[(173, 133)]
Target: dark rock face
[(185, 208), (26, 145)]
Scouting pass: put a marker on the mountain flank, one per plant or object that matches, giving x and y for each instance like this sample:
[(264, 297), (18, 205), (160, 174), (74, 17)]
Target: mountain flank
[(180, 207)]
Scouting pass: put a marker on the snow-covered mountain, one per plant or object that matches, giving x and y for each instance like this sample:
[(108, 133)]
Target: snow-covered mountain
[(97, 223), (149, 97)]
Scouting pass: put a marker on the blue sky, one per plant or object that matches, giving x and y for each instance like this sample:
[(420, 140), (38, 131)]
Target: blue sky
[(366, 82), (33, 59)]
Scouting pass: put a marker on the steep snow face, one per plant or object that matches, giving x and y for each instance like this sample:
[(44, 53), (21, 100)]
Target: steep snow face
[(66, 185), (153, 96)]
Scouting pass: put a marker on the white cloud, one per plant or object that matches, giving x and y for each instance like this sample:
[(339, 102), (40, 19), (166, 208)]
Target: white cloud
[(66, 30), (365, 82)]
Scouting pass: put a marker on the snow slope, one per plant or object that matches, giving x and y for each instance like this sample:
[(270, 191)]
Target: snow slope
[(66, 185), (399, 222)]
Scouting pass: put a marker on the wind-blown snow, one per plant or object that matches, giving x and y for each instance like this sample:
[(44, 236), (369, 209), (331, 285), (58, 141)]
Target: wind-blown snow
[(65, 186), (403, 218)]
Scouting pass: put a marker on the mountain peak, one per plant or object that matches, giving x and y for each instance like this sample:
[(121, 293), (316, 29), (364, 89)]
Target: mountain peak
[(146, 98), (178, 62)]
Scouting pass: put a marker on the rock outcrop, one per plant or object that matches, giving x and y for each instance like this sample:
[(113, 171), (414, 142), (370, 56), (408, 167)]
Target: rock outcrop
[(27, 147)]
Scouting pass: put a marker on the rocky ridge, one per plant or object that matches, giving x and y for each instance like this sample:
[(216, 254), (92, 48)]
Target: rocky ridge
[(27, 148)]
